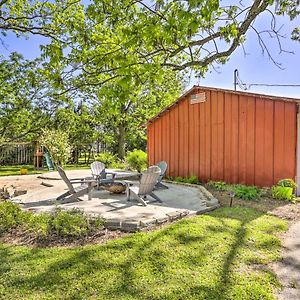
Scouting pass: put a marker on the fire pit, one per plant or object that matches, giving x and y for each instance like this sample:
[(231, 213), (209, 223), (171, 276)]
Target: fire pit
[(115, 187)]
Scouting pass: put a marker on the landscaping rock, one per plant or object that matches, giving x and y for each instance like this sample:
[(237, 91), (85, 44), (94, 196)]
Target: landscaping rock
[(211, 200), (147, 222), (113, 224), (130, 226), (160, 220), (183, 212), (207, 209), (19, 192), (47, 184), (174, 215), (8, 192)]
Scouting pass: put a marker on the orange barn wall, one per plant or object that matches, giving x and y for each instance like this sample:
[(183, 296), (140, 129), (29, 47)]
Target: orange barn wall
[(231, 137)]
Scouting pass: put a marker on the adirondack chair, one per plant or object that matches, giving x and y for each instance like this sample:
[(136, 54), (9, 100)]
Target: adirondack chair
[(163, 167), (146, 185), (100, 174), (74, 193)]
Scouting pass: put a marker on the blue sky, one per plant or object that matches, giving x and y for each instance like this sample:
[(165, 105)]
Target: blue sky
[(253, 68)]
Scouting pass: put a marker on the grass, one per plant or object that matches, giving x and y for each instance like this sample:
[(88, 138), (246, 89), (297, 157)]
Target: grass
[(15, 170), (223, 255)]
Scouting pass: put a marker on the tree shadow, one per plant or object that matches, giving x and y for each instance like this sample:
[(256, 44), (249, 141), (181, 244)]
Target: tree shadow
[(135, 262)]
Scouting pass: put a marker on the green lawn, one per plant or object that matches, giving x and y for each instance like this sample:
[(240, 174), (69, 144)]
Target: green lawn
[(218, 256), (15, 170)]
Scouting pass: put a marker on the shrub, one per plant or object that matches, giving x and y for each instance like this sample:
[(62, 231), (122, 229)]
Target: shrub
[(107, 158), (70, 223), (137, 159), (246, 192), (118, 165), (287, 183), (73, 223), (63, 223), (179, 179), (39, 224), (57, 143), (218, 185), (11, 216), (192, 179), (282, 193)]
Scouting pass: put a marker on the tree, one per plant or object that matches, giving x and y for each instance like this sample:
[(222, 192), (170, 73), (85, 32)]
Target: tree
[(21, 108), (122, 53), (291, 8), (57, 143), (124, 106), (125, 37), (127, 47), (47, 18), (79, 124)]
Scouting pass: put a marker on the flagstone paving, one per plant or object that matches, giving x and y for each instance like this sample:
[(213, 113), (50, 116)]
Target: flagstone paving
[(178, 201)]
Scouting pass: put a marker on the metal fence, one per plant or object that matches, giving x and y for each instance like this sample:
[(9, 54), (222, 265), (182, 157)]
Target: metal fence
[(16, 154)]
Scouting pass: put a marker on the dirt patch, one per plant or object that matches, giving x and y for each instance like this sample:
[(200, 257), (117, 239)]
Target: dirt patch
[(25, 182), (21, 238)]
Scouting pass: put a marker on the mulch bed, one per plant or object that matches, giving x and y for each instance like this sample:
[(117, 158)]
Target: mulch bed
[(280, 208), (20, 238)]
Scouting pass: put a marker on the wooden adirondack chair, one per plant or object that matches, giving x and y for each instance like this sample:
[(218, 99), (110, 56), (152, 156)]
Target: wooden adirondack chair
[(98, 170), (146, 185), (163, 167), (75, 192), (100, 174)]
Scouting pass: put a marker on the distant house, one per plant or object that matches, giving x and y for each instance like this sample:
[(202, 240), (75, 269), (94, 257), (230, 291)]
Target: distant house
[(226, 135)]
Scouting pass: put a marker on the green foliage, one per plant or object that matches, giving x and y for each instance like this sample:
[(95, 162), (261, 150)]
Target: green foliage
[(287, 183), (69, 223), (66, 224), (179, 179), (218, 185), (79, 122), (282, 193), (57, 143), (21, 112), (124, 109), (137, 160), (118, 164), (39, 225), (192, 179), (11, 216), (246, 192), (127, 64), (107, 158)]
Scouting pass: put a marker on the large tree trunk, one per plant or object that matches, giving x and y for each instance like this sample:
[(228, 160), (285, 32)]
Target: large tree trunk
[(121, 142)]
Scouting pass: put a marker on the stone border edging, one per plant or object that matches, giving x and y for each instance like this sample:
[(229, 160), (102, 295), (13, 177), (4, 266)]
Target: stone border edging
[(213, 201), (136, 225), (144, 223)]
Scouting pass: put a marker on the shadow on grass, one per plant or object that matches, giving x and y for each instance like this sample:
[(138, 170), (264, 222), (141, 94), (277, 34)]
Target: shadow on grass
[(164, 264)]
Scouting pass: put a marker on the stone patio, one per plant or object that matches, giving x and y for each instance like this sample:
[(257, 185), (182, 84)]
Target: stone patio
[(178, 201)]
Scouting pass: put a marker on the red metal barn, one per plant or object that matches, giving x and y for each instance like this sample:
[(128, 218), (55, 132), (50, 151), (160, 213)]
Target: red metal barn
[(226, 135)]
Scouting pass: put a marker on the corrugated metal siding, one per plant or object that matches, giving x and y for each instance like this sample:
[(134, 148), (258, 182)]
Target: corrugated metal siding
[(230, 137)]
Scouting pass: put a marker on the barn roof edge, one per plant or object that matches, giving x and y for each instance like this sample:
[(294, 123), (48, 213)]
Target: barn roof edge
[(274, 98)]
